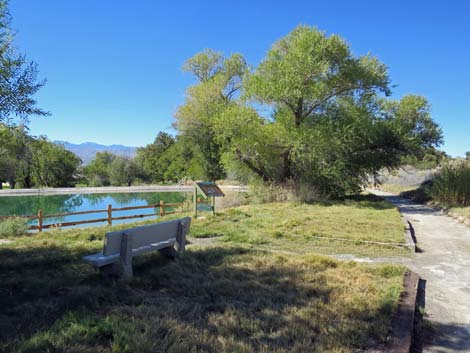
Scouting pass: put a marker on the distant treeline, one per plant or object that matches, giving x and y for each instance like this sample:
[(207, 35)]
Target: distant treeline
[(27, 161), (168, 159)]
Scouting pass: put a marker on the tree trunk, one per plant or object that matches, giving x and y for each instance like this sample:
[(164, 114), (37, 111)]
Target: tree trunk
[(27, 182), (298, 113), (249, 163), (286, 166)]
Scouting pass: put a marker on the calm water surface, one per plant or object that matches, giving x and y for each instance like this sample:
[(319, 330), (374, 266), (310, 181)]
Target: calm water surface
[(52, 204)]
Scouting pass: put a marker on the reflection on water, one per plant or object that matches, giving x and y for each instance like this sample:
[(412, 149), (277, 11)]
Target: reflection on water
[(52, 204)]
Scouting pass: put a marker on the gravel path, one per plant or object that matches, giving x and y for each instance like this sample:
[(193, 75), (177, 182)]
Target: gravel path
[(444, 264)]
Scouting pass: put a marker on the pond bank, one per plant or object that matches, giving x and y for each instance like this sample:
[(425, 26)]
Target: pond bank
[(108, 190)]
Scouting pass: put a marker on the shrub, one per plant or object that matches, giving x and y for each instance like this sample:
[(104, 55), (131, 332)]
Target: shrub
[(261, 192), (451, 187), (13, 227)]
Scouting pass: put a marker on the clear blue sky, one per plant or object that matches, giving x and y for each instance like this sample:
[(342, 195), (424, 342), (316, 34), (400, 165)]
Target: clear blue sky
[(114, 67)]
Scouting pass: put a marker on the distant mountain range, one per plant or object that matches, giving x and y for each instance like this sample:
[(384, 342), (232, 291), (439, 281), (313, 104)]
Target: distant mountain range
[(87, 150)]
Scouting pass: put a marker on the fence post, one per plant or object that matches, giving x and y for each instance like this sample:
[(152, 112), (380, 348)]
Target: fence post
[(110, 214), (40, 221), (195, 202), (162, 208)]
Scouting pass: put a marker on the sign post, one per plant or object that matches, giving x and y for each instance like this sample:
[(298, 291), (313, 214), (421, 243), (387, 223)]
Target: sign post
[(209, 190)]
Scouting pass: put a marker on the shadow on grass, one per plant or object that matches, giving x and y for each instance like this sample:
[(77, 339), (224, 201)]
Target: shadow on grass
[(215, 299), (360, 201)]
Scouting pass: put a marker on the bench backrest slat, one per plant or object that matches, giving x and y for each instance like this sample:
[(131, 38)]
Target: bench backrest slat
[(141, 236)]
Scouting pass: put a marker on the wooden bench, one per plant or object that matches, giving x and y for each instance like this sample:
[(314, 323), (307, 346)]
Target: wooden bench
[(121, 246)]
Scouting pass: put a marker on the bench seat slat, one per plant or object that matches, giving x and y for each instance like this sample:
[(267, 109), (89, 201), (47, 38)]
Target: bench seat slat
[(99, 260)]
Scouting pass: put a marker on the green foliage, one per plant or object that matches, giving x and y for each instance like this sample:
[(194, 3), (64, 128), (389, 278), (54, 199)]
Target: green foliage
[(97, 172), (170, 160), (108, 169), (430, 158), (306, 69), (220, 80), (53, 165), (18, 78), (29, 161), (13, 227), (451, 186), (327, 125), (413, 115)]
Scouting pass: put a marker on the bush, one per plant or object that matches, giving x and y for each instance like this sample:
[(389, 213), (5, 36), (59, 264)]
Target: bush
[(261, 192), (13, 227), (451, 187)]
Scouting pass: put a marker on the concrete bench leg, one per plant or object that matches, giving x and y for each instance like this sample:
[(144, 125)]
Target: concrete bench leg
[(183, 228), (126, 256)]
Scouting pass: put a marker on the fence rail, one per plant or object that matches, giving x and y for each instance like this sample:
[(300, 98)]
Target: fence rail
[(109, 215)]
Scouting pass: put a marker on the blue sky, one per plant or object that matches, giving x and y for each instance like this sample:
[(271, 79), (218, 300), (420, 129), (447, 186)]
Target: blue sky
[(114, 67)]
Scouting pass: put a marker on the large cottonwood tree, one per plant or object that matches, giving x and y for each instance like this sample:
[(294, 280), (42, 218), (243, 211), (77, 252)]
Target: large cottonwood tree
[(311, 113)]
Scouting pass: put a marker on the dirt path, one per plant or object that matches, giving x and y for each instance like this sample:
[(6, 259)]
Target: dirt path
[(444, 264)]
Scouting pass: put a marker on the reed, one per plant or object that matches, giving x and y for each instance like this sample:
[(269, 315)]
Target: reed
[(451, 187)]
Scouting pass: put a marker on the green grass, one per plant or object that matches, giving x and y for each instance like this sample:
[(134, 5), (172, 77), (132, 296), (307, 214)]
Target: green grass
[(257, 288), (303, 227)]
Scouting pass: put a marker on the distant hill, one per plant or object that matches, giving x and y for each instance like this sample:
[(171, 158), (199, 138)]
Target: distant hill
[(87, 150)]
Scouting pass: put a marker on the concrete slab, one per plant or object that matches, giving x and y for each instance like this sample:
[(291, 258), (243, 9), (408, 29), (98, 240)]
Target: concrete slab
[(445, 265)]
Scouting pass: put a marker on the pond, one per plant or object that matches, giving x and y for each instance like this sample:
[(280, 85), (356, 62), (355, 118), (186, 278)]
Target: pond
[(54, 204)]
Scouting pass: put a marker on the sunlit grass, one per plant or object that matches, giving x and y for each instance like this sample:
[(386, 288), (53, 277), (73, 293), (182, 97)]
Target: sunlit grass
[(461, 211), (303, 227), (396, 189)]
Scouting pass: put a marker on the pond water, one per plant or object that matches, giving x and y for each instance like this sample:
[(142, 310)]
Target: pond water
[(53, 204)]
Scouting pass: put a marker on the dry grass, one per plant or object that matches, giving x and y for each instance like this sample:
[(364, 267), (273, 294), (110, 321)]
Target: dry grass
[(253, 290), (217, 299), (396, 189), (461, 211)]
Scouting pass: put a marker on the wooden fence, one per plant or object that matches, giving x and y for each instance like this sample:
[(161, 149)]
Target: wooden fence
[(108, 217)]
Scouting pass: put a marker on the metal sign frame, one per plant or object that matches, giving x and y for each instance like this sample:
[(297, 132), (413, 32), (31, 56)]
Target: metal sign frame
[(209, 190)]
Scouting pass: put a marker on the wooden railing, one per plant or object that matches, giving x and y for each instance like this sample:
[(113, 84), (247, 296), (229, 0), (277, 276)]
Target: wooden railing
[(108, 217)]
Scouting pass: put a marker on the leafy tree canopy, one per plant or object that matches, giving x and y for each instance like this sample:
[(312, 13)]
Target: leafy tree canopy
[(18, 77), (311, 113)]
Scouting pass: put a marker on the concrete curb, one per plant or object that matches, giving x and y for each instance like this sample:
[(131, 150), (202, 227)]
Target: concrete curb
[(401, 336), (109, 190), (410, 237)]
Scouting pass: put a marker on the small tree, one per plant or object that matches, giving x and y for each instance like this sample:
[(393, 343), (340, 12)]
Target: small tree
[(18, 78)]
